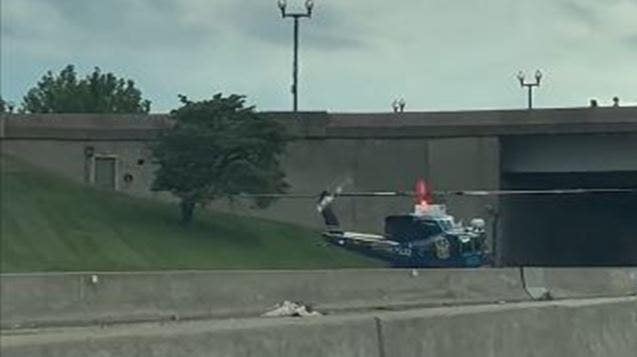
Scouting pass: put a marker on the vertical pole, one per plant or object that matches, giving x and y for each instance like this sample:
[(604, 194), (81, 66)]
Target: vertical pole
[(296, 59), (495, 246), (530, 96)]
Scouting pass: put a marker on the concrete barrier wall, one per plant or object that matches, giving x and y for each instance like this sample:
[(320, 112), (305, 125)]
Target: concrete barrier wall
[(564, 283), (598, 327), (337, 336), (604, 327), (72, 298)]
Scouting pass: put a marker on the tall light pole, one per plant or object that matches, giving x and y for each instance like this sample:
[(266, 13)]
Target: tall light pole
[(530, 85), (309, 4)]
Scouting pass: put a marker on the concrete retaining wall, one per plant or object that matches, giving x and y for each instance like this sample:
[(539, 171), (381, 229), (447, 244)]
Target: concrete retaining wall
[(311, 166), (72, 298), (599, 327)]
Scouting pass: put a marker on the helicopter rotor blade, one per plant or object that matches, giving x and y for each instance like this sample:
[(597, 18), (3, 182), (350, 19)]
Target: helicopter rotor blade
[(335, 194), (573, 191), (376, 194), (278, 195), (337, 185)]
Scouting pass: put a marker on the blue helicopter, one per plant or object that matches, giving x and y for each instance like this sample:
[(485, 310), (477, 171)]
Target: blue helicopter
[(427, 237)]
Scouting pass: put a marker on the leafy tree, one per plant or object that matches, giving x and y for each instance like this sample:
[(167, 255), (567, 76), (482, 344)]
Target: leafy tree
[(5, 106), (96, 93), (217, 149)]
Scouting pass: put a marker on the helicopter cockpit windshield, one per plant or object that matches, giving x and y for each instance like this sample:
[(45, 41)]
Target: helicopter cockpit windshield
[(446, 224)]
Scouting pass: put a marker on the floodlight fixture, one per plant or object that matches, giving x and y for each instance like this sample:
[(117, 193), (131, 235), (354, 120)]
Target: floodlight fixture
[(529, 85), (282, 4)]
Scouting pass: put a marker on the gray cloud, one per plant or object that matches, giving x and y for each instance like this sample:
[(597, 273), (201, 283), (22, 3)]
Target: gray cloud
[(631, 41), (355, 55), (138, 25), (581, 11), (104, 28)]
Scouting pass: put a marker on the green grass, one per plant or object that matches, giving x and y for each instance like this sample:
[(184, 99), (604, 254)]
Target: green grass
[(52, 224)]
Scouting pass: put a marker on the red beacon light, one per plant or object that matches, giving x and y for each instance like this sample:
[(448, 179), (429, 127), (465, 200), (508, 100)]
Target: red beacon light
[(422, 193), (423, 198), (424, 201)]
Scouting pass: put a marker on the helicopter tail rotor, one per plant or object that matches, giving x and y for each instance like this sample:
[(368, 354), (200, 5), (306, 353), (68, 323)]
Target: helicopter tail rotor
[(324, 207)]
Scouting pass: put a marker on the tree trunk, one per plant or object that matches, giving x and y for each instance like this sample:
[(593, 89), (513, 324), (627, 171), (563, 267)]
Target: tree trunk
[(187, 207)]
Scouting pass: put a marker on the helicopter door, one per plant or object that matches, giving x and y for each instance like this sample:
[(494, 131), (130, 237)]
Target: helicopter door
[(431, 228)]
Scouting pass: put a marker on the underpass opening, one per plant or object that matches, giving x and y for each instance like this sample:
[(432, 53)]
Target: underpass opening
[(594, 229)]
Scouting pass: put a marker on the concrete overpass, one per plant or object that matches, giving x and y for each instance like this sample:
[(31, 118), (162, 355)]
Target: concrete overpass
[(542, 148)]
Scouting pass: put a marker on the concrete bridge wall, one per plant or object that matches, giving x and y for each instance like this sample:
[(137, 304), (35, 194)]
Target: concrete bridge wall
[(570, 153)]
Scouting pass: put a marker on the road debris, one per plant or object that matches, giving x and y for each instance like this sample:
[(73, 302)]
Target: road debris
[(291, 309)]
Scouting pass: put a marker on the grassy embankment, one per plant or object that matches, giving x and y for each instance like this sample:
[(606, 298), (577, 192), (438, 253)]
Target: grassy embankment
[(49, 223)]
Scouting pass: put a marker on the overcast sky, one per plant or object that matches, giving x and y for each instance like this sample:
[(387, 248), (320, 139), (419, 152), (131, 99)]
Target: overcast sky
[(356, 55)]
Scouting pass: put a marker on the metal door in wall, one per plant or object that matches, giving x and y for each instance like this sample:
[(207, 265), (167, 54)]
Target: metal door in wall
[(105, 172)]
